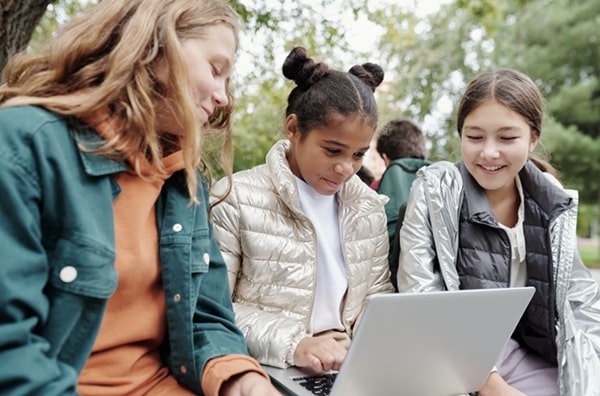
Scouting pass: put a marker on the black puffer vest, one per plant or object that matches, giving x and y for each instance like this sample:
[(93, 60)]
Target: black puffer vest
[(484, 253)]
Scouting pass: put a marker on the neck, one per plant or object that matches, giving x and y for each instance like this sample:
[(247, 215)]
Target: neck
[(505, 205)]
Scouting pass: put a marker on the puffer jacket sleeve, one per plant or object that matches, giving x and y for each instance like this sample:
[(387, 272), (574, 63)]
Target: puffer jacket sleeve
[(581, 343), (417, 250), (379, 276), (379, 279), (225, 218), (428, 237), (271, 337)]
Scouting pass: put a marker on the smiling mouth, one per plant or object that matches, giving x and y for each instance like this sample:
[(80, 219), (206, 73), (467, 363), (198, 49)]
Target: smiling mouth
[(491, 168)]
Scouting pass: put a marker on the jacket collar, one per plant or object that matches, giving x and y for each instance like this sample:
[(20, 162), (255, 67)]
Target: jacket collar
[(94, 164)]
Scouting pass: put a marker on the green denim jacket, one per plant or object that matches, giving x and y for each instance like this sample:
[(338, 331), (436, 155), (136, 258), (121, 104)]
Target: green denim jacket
[(57, 256)]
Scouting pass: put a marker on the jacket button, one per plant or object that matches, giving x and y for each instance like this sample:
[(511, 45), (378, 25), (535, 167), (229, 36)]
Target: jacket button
[(183, 369), (177, 227), (177, 297), (206, 258), (68, 274)]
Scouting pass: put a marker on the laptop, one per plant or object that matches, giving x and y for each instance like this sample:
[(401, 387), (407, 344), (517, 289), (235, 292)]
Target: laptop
[(431, 344)]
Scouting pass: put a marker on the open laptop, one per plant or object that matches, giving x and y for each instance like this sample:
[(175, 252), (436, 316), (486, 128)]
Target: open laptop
[(430, 344)]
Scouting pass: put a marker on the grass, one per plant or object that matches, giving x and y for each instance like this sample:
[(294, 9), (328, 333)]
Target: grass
[(590, 253)]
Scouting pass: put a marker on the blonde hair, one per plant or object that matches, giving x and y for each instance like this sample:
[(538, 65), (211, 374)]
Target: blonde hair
[(110, 57)]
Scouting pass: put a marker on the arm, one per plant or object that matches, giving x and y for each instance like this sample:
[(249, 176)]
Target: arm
[(418, 256), (225, 217), (496, 386), (27, 368), (379, 276), (581, 343), (271, 337)]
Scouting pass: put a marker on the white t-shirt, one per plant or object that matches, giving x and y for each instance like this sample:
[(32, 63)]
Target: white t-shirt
[(518, 271), (332, 280)]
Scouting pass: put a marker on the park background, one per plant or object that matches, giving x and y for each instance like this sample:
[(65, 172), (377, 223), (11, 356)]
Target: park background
[(429, 49)]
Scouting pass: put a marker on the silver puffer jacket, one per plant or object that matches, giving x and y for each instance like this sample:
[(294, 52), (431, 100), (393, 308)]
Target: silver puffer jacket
[(430, 231), (270, 248)]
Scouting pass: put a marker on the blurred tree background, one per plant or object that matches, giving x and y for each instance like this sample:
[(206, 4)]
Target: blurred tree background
[(427, 57)]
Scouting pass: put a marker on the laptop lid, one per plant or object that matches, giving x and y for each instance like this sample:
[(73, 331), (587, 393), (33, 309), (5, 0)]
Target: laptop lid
[(431, 344)]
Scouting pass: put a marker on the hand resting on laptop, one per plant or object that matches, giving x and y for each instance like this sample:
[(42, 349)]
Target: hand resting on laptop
[(319, 354)]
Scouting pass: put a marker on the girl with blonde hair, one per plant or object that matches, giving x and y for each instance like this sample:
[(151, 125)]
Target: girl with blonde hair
[(112, 283)]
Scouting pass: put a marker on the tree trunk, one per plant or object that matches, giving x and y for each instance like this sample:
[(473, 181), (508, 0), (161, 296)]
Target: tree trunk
[(18, 19)]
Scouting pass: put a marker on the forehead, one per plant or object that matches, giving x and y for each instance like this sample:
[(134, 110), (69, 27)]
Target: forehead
[(494, 113), (354, 133)]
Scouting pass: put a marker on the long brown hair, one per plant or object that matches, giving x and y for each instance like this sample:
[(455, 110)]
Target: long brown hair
[(109, 58)]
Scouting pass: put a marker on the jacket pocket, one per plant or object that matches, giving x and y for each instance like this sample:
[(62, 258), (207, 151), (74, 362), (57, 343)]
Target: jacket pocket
[(82, 267)]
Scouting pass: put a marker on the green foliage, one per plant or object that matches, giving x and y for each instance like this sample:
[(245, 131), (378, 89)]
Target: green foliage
[(427, 60), (57, 13), (588, 221), (575, 155), (590, 254)]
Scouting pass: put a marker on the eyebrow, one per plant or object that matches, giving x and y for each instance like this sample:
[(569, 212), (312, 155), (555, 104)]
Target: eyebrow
[(336, 143), (501, 129)]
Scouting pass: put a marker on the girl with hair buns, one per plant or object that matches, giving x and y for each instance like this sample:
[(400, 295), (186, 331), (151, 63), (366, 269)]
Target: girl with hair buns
[(304, 239), (499, 218), (111, 282)]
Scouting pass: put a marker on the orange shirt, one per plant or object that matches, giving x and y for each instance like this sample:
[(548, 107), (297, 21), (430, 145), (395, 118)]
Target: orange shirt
[(125, 358)]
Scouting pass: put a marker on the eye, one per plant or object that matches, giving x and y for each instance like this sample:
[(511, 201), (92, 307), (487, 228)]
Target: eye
[(216, 71), (331, 151), (359, 154), (509, 137), (473, 137)]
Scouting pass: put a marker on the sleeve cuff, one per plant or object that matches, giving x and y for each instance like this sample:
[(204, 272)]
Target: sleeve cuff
[(220, 369)]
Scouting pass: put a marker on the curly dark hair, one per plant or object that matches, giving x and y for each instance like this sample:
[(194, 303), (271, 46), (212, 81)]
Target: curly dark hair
[(321, 92)]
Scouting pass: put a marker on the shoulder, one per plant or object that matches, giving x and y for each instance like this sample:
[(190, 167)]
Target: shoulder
[(441, 182), (28, 132), (356, 191), (441, 171), (26, 121), (29, 118), (244, 183), (546, 189)]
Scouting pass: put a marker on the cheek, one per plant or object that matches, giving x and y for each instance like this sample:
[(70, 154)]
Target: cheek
[(466, 150)]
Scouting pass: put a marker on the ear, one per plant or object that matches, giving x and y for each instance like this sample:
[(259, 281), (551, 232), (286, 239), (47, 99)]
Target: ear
[(535, 138), (386, 159), (291, 128)]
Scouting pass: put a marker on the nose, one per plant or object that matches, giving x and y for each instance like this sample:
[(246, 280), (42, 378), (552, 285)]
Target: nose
[(344, 167), (490, 149), (220, 97)]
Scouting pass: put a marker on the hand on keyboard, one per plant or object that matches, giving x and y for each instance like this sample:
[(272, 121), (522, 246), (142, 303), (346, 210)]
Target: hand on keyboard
[(319, 354)]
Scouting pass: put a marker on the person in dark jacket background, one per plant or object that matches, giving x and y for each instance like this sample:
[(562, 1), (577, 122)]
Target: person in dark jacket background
[(402, 146)]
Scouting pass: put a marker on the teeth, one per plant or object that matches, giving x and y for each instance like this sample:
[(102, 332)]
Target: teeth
[(492, 168)]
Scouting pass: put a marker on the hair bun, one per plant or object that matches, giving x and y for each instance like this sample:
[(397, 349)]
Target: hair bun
[(304, 71), (371, 73)]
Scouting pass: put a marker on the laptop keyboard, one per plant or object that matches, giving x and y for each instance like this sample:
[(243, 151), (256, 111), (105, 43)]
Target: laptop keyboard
[(318, 384)]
